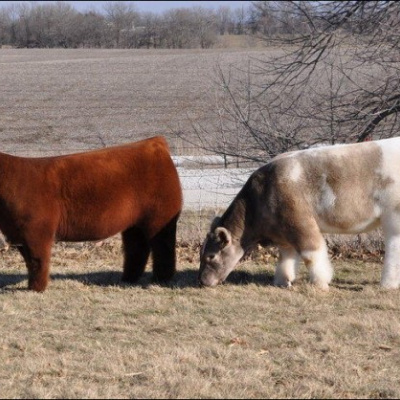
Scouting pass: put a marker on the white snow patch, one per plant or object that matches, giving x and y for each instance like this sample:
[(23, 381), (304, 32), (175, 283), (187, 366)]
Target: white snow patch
[(211, 187)]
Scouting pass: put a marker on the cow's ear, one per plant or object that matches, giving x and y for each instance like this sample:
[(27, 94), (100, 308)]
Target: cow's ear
[(223, 235)]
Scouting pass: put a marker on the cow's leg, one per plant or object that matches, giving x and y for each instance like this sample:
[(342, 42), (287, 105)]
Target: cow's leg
[(136, 253), (37, 259), (317, 261), (164, 252), (391, 266), (307, 239), (287, 267)]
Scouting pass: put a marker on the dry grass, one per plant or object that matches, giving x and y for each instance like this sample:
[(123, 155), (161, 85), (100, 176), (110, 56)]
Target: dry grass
[(89, 336), (238, 41)]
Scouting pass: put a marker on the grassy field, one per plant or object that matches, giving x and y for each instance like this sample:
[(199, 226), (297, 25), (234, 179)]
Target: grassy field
[(89, 336)]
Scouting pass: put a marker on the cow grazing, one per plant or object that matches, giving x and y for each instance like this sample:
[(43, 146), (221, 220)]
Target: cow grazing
[(299, 195), (133, 189)]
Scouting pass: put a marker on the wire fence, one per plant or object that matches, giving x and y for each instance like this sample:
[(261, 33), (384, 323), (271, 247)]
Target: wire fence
[(211, 188)]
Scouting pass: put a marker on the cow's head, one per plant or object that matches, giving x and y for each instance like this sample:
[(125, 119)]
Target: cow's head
[(218, 256)]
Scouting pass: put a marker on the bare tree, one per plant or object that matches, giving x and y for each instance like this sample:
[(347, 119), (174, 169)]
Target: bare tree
[(41, 25), (224, 20), (177, 28), (188, 28), (22, 27), (60, 20), (151, 35), (204, 26), (5, 25), (121, 17), (334, 77), (360, 41), (240, 20), (91, 29)]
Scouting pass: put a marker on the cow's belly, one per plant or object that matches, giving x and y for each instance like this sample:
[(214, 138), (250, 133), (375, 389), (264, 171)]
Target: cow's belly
[(352, 211), (97, 223), (355, 227)]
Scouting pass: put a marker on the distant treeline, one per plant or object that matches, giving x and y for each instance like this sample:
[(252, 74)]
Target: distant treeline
[(120, 25)]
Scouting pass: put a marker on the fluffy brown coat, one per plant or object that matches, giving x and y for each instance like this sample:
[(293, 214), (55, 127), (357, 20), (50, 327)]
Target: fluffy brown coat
[(133, 189)]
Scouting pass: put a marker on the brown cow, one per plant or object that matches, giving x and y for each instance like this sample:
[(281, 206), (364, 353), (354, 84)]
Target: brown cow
[(133, 189)]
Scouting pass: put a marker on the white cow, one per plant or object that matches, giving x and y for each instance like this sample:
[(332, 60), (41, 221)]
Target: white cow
[(298, 196)]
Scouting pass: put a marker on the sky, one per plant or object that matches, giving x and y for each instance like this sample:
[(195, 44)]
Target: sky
[(154, 6)]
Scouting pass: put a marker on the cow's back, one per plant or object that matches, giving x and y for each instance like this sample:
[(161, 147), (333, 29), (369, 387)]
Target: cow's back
[(339, 186), (105, 191)]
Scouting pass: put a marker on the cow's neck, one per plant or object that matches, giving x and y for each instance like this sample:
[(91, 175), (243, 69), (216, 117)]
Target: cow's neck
[(234, 220)]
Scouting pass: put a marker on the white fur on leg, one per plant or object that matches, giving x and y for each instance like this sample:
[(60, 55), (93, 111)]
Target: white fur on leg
[(287, 267), (390, 278), (391, 268), (319, 266)]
